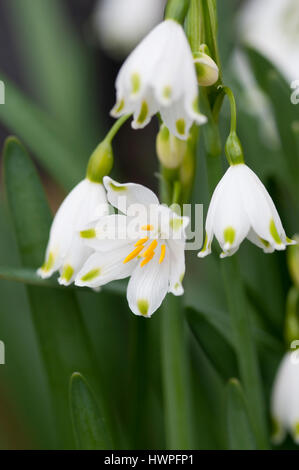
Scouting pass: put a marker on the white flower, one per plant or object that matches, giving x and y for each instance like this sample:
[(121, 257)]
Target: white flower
[(241, 207), (65, 251), (159, 76), (121, 24), (146, 242), (285, 399), (272, 27)]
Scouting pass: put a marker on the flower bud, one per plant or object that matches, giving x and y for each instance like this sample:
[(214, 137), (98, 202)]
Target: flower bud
[(206, 69), (100, 162), (291, 330), (293, 261), (170, 149)]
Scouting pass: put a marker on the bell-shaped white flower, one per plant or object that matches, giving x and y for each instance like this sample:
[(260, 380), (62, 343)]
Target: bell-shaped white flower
[(241, 207), (285, 399), (145, 242), (66, 252), (122, 24), (159, 76)]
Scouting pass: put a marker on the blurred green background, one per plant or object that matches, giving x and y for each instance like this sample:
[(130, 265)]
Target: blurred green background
[(59, 90)]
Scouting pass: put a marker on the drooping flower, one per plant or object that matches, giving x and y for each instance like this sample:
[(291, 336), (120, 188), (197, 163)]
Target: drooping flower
[(285, 399), (121, 24), (145, 242), (66, 252), (241, 207), (159, 76)]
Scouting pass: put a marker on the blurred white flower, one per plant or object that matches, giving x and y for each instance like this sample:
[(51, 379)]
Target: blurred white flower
[(159, 76), (65, 251), (285, 399), (241, 207), (272, 27), (147, 244), (121, 24)]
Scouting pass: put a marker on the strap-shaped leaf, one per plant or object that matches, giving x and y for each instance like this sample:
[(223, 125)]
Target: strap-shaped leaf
[(42, 136), (286, 114), (63, 342), (88, 423), (240, 435), (217, 348)]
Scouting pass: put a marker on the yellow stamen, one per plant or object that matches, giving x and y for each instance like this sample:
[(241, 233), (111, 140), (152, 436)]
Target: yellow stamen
[(148, 227), (133, 254), (147, 259), (150, 249), (162, 256), (141, 241)]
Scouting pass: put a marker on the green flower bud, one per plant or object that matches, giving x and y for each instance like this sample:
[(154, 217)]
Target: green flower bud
[(170, 149), (206, 69), (291, 330), (100, 162), (293, 261), (233, 149)]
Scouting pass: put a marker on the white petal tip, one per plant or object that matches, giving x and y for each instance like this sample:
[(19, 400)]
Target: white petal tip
[(63, 282), (203, 254), (44, 274)]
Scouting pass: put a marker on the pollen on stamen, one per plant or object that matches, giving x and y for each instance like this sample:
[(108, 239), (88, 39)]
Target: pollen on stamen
[(162, 256), (147, 227), (133, 254), (141, 241)]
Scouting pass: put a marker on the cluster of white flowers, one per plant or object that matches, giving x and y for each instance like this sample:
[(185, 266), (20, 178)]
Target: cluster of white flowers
[(146, 241)]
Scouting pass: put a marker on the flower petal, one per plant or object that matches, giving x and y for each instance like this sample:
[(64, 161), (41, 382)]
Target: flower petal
[(177, 267), (122, 196), (101, 268), (148, 286)]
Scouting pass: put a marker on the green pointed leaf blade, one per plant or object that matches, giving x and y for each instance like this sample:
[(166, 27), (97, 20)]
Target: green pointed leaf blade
[(88, 423), (63, 342), (215, 345), (240, 435)]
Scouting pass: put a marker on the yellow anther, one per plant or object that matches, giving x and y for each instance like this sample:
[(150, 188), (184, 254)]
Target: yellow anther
[(150, 249), (148, 227), (141, 241), (163, 251), (147, 259), (133, 254)]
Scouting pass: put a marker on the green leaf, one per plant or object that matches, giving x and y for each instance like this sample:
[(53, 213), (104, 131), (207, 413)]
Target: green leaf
[(88, 423), (286, 114), (246, 350), (58, 66), (217, 348), (43, 137), (63, 342), (240, 436), (29, 276)]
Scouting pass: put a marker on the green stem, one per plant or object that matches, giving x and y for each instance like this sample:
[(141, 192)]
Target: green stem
[(115, 128), (233, 108), (177, 10), (175, 376)]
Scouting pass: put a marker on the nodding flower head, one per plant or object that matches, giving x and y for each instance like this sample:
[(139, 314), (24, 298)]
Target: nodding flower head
[(145, 242), (160, 76), (241, 207), (66, 252), (285, 399)]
